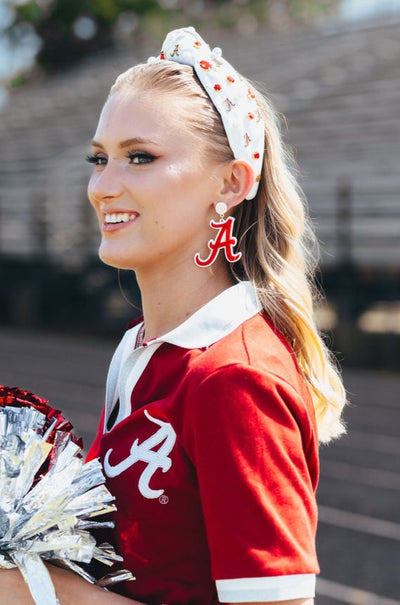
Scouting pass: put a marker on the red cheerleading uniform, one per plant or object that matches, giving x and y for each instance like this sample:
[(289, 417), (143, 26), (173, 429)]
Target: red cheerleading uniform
[(212, 459)]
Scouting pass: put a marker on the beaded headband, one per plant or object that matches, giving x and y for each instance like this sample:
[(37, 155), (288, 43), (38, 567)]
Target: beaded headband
[(231, 96)]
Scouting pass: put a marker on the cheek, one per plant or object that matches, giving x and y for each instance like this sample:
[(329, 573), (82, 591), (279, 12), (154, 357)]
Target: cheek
[(90, 192), (94, 193)]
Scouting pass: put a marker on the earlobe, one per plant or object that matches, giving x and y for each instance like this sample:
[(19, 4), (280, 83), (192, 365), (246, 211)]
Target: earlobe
[(238, 181)]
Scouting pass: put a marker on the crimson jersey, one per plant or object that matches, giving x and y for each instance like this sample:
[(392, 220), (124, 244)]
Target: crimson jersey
[(213, 460)]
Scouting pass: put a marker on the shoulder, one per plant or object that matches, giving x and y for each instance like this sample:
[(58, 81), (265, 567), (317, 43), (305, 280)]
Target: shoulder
[(253, 350), (249, 373)]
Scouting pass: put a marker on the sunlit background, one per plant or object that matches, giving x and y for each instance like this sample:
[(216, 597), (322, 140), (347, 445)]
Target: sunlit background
[(332, 68)]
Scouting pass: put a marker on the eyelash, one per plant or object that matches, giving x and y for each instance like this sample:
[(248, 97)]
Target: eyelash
[(142, 156), (95, 159)]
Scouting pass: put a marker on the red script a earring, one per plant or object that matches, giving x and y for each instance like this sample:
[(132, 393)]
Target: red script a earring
[(223, 240)]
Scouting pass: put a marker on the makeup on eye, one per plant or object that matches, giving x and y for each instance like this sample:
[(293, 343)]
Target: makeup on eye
[(97, 160), (136, 157), (141, 157)]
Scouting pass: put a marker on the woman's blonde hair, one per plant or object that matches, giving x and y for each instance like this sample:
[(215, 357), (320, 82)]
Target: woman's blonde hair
[(274, 235)]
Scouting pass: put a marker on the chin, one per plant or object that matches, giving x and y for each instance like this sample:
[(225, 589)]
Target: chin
[(114, 258)]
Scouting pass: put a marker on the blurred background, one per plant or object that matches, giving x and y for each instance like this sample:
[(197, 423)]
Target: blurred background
[(332, 68)]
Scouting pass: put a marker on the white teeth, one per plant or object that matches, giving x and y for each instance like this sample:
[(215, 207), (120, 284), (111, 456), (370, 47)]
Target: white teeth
[(118, 217)]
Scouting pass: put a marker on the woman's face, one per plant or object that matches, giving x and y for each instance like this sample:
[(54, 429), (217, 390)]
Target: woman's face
[(152, 187)]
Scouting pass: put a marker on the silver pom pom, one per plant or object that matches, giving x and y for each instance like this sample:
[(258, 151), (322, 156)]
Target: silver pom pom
[(47, 516)]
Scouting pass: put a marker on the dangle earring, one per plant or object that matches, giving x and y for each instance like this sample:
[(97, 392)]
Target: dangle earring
[(223, 240)]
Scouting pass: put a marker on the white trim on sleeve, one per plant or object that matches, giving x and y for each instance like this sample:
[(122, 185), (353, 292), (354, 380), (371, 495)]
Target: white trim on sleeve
[(273, 588)]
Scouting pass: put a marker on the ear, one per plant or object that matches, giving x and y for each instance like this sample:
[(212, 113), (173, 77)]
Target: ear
[(238, 180)]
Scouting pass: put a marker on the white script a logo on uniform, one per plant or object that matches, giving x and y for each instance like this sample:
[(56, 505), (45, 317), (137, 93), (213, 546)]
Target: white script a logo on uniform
[(144, 452)]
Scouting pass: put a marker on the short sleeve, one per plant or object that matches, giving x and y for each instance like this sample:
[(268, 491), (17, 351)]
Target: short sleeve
[(252, 441)]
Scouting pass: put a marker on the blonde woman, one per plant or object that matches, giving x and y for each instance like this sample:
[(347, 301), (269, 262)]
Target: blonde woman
[(217, 398)]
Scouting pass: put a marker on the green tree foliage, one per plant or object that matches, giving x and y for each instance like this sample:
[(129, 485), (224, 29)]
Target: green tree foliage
[(70, 29)]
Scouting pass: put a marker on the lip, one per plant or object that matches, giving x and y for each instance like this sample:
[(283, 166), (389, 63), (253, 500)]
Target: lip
[(110, 227)]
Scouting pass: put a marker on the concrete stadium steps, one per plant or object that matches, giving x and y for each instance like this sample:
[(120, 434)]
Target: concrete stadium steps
[(338, 87)]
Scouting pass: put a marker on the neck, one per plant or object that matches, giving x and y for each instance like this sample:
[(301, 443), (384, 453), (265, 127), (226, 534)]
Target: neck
[(169, 301)]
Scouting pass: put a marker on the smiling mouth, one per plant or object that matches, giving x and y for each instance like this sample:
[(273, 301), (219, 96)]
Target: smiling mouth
[(118, 217)]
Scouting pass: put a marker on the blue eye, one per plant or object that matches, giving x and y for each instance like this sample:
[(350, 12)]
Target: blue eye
[(141, 157), (97, 160)]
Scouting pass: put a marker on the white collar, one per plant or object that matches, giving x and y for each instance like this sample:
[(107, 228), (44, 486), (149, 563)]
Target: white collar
[(216, 319)]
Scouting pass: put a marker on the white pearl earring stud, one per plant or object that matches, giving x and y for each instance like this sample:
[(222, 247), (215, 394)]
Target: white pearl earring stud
[(221, 208)]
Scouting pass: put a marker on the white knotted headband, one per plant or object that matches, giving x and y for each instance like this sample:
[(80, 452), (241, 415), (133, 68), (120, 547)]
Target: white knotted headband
[(231, 96)]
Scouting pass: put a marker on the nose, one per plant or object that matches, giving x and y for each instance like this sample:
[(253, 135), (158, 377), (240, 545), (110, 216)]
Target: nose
[(105, 185)]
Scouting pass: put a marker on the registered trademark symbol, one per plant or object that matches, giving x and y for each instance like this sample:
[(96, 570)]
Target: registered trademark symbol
[(163, 499)]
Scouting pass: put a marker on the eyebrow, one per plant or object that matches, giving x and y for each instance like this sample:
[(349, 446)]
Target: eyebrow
[(127, 142)]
